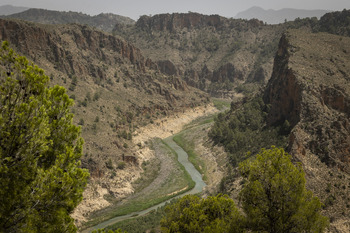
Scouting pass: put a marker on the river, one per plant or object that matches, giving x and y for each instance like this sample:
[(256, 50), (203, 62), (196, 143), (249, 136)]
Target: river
[(183, 159)]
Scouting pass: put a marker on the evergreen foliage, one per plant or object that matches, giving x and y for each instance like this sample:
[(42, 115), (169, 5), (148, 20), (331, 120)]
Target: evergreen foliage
[(244, 129), (275, 198), (192, 214), (335, 23), (40, 149)]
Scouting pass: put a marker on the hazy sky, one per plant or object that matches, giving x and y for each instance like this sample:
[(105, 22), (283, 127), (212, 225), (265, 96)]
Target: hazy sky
[(136, 8)]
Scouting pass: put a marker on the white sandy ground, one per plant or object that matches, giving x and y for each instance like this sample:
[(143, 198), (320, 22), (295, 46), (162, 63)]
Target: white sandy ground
[(120, 185)]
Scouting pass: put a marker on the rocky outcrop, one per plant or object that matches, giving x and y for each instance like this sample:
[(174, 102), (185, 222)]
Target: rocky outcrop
[(218, 78), (167, 67), (170, 22), (310, 88), (283, 92), (227, 72)]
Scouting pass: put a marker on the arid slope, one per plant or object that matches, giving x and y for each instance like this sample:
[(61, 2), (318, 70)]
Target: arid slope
[(116, 90), (310, 88)]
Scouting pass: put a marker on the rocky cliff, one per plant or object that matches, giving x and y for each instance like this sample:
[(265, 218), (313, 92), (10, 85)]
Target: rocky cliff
[(213, 53), (310, 89), (43, 41), (310, 86), (171, 22)]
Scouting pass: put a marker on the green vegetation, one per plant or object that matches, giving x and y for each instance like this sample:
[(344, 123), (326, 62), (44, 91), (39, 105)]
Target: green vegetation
[(335, 22), (192, 214), (41, 181), (245, 130), (274, 199), (150, 172), (221, 104), (141, 224)]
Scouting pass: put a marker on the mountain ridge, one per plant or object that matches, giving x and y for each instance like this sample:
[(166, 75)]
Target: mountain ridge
[(103, 21), (279, 16), (9, 9)]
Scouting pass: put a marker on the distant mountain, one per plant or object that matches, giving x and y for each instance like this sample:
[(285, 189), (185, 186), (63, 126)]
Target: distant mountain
[(278, 16), (103, 21), (9, 9)]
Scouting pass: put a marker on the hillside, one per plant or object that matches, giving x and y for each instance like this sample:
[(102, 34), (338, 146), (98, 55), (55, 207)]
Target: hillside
[(309, 88), (311, 81), (116, 90), (103, 21), (278, 16), (305, 108), (210, 52)]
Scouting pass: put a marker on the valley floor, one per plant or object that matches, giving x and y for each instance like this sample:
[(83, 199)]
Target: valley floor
[(97, 198)]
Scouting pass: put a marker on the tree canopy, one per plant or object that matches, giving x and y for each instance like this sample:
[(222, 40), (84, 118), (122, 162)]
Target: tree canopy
[(193, 214), (41, 181), (275, 199)]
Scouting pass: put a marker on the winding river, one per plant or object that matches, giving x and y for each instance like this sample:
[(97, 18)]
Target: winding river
[(183, 159)]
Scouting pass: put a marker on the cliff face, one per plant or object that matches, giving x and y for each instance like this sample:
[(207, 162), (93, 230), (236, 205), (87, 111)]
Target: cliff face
[(284, 90), (310, 88), (45, 42), (75, 49), (170, 22), (229, 51)]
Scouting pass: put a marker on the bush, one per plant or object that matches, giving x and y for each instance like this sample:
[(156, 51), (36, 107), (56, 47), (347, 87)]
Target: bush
[(81, 122), (121, 165), (109, 164)]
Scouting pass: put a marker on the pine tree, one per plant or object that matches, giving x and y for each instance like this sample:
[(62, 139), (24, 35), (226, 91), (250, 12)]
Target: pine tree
[(192, 214), (275, 199), (40, 149)]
